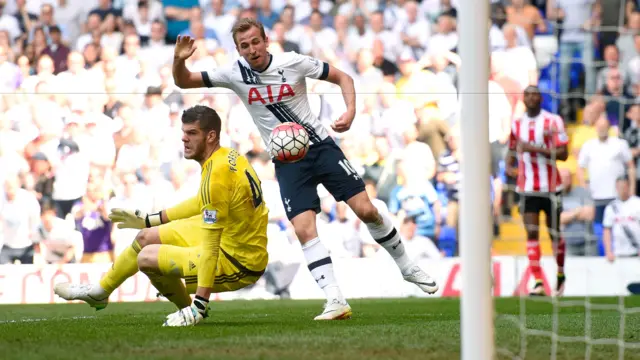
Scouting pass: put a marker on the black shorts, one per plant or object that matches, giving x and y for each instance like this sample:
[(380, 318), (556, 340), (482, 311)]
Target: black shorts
[(324, 164), (550, 204)]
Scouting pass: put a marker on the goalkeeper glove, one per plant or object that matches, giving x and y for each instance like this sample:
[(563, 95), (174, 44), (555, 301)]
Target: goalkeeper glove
[(134, 219), (189, 316)]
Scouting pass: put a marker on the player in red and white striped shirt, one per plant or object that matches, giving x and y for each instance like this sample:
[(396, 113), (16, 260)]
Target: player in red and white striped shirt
[(537, 140)]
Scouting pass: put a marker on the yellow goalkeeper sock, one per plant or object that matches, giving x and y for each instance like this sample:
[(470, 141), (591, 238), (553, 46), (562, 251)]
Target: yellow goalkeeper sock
[(125, 266), (172, 288)]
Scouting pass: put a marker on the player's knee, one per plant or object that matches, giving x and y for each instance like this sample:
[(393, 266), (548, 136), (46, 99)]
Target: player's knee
[(148, 260), (306, 232), (367, 213), (147, 237), (304, 225)]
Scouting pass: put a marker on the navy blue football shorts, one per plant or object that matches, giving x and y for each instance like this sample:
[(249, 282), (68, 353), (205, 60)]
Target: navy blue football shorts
[(324, 164)]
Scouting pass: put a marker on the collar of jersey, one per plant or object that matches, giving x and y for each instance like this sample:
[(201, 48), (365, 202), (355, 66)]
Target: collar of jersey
[(265, 69)]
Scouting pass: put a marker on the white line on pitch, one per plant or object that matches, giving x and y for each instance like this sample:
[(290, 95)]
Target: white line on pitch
[(2, 322)]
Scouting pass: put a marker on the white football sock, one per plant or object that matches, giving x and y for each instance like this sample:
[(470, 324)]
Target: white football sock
[(388, 237), (321, 267)]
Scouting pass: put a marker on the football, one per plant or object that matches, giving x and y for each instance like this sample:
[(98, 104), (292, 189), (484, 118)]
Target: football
[(289, 142)]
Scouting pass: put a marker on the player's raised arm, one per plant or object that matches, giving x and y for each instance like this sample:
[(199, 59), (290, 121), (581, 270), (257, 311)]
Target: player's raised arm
[(186, 79), (183, 77)]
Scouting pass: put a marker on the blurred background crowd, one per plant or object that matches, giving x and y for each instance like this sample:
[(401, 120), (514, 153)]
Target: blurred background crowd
[(90, 117)]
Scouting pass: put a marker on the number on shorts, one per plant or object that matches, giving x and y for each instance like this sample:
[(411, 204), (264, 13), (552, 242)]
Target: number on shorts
[(256, 192), (346, 165)]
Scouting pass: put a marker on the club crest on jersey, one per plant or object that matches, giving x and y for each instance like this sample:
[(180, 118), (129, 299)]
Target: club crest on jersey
[(267, 94), (281, 72), (210, 216)]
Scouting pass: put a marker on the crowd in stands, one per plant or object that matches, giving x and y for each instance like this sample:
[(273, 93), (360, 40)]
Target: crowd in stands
[(90, 117)]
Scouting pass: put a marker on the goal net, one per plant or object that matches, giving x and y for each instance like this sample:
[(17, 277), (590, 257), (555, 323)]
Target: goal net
[(585, 76)]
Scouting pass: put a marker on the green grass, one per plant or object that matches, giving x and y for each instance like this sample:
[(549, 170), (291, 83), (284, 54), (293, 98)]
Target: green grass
[(380, 329)]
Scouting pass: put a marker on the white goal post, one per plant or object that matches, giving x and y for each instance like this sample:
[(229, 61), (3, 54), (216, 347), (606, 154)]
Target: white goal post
[(476, 315)]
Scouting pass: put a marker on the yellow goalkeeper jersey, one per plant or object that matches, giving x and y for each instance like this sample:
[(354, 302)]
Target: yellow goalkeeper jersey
[(230, 199)]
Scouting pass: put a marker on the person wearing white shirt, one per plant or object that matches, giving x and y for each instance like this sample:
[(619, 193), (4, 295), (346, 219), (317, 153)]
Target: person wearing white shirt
[(604, 160), (93, 25), (60, 242), (391, 41), (9, 22), (446, 39), (415, 32), (417, 246), (142, 13), (19, 220), (323, 38), (621, 234), (520, 62), (295, 32)]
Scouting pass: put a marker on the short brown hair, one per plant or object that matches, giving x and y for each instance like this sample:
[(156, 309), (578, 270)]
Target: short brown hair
[(245, 24), (208, 118)]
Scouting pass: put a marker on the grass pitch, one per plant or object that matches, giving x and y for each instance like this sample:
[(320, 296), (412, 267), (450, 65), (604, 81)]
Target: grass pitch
[(380, 329)]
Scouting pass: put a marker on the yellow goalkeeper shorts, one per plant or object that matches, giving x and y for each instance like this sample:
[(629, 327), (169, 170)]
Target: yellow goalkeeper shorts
[(179, 256)]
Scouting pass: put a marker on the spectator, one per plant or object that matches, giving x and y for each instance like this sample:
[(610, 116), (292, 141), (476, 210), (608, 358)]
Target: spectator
[(632, 136), (576, 217), (618, 100), (9, 22), (315, 6), (44, 177), (446, 37), (622, 223), (24, 16), (9, 72), (574, 14), (415, 31), (177, 13), (221, 22), (72, 16), (632, 71), (612, 60), (626, 41), (93, 26), (449, 175), (59, 241), (519, 63), (104, 9), (90, 214), (278, 35), (72, 173), (58, 51), (523, 14), (417, 246), (416, 197), (19, 220), (143, 14), (604, 160)]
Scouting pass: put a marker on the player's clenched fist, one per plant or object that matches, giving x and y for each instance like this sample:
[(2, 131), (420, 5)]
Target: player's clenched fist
[(344, 122), (184, 47)]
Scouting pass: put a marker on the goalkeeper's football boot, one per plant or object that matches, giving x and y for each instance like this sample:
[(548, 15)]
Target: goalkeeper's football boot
[(538, 289), (560, 285), (417, 276), (335, 310), (82, 292)]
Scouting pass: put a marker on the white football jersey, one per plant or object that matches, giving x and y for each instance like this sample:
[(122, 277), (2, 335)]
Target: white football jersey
[(276, 95)]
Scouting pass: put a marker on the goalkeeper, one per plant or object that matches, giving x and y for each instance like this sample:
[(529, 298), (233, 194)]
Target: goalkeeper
[(216, 240)]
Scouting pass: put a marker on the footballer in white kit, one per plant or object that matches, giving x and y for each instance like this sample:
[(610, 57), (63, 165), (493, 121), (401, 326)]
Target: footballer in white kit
[(273, 89)]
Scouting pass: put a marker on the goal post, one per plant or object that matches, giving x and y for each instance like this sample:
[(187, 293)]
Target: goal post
[(476, 315)]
